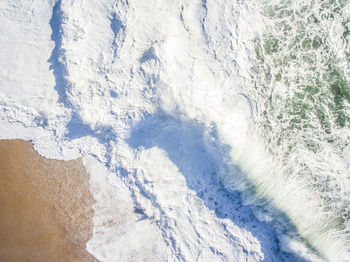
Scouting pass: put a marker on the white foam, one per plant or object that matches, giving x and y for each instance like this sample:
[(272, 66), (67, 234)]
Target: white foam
[(118, 231), (169, 107)]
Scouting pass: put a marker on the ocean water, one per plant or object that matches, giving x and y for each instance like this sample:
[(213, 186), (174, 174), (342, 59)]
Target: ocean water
[(221, 127), (302, 67)]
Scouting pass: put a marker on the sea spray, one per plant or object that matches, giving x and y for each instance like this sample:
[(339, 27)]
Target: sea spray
[(266, 81), (236, 110), (295, 208)]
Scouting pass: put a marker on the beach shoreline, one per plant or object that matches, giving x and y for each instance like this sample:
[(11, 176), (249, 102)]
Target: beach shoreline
[(46, 207)]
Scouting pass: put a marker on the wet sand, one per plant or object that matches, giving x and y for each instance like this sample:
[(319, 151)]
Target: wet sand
[(45, 206)]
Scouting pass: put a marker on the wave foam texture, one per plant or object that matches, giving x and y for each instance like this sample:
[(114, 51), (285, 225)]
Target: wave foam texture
[(303, 71), (162, 94)]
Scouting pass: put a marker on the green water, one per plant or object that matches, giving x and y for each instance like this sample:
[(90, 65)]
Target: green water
[(300, 72)]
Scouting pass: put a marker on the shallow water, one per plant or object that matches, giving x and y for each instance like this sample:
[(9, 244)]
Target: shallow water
[(45, 206)]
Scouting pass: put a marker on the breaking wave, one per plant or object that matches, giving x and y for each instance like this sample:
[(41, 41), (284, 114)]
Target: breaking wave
[(250, 98)]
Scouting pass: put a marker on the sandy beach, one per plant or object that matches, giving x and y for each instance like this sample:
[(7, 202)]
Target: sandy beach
[(45, 206)]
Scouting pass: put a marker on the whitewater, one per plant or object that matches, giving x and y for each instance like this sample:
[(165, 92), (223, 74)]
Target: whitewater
[(212, 130)]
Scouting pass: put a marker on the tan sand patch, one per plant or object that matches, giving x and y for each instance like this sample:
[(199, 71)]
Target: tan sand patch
[(45, 206)]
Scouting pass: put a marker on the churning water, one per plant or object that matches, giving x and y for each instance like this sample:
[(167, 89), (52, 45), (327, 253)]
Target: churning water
[(255, 93), (302, 72)]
